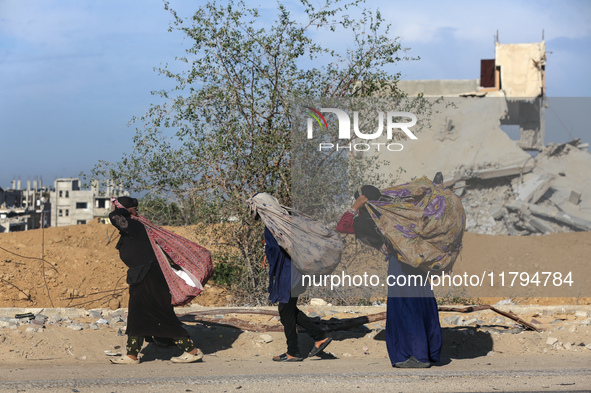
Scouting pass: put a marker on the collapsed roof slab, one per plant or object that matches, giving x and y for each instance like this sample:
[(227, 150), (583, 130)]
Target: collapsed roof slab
[(571, 175), (459, 134)]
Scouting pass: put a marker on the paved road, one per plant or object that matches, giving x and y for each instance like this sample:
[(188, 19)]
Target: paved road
[(344, 375)]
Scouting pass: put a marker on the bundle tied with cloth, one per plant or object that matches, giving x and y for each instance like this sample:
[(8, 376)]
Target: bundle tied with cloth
[(312, 246), (425, 223), (186, 265)]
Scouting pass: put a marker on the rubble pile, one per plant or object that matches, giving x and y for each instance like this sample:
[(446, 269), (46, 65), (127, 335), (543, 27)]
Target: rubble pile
[(550, 193)]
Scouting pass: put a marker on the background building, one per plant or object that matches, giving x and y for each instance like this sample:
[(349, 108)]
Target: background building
[(74, 206), (24, 209), (66, 204)]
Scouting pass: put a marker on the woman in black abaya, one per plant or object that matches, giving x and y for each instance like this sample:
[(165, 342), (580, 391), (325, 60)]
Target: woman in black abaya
[(150, 312)]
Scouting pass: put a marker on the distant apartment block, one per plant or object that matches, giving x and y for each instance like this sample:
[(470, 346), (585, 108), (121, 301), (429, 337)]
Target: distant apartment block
[(74, 206)]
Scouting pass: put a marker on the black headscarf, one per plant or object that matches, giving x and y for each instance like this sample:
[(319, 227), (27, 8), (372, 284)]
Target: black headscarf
[(370, 192), (127, 202)]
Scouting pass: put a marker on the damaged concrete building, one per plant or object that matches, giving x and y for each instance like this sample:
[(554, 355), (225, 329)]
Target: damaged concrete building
[(65, 204), (511, 186), (24, 209)]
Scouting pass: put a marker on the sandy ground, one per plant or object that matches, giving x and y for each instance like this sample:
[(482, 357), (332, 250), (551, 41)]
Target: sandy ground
[(84, 277), (482, 351)]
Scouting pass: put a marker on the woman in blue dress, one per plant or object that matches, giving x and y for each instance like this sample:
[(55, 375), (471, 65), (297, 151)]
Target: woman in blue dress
[(413, 331), (285, 285)]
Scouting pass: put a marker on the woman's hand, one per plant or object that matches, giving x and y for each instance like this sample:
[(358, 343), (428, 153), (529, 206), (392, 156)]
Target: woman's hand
[(360, 202)]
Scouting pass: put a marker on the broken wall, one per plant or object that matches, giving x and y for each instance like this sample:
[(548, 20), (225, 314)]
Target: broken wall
[(505, 191), (459, 136), (522, 68)]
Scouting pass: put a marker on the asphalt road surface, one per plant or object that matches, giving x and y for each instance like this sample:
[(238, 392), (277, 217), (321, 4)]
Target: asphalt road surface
[(489, 374)]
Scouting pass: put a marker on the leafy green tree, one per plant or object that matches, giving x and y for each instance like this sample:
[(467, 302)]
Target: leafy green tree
[(224, 132)]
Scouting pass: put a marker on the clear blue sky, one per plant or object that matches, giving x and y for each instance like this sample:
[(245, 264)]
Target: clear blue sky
[(74, 72)]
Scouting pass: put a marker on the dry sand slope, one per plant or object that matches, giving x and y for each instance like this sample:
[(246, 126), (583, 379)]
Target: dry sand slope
[(81, 269), (81, 266)]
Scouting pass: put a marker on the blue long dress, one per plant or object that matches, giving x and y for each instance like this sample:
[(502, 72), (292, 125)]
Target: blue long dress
[(285, 281), (412, 319)]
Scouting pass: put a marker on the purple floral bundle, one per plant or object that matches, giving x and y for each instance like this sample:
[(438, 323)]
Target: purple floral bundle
[(425, 223)]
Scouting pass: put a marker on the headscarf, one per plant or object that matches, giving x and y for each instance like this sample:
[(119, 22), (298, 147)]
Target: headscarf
[(370, 192), (262, 198), (127, 202)]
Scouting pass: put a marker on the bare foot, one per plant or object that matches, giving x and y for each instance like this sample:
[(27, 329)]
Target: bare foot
[(287, 355), (317, 344)]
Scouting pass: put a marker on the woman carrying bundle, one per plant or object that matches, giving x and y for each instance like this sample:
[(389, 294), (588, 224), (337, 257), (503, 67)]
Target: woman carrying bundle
[(285, 285), (413, 332), (150, 312), (285, 281)]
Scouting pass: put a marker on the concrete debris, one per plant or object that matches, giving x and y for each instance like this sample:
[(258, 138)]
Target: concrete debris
[(38, 322), (95, 314), (7, 322), (55, 319), (452, 320), (318, 302), (116, 320), (266, 338), (459, 188), (532, 189), (550, 193), (504, 302)]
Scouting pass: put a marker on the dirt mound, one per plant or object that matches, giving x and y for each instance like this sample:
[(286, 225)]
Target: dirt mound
[(78, 266), (73, 266)]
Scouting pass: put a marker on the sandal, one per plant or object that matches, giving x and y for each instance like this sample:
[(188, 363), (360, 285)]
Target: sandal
[(412, 362), (187, 357), (283, 358), (125, 360), (316, 350)]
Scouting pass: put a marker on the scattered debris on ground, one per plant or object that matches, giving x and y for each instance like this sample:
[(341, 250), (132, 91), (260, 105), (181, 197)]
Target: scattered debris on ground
[(90, 336), (551, 193)]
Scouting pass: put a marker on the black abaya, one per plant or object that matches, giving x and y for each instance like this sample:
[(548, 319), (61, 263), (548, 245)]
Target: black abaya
[(150, 312)]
